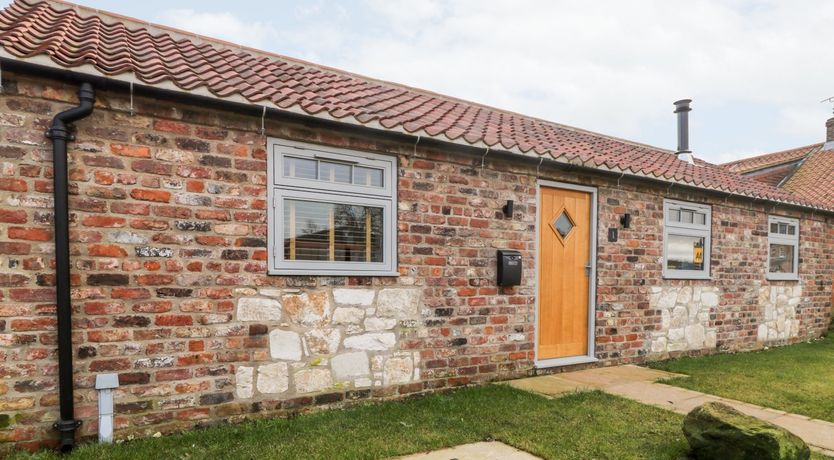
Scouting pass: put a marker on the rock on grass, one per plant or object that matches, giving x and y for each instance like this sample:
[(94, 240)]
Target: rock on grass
[(715, 430)]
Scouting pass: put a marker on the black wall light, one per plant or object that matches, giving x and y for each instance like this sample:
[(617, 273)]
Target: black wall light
[(626, 220), (508, 208)]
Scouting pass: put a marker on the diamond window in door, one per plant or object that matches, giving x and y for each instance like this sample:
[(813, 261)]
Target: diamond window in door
[(563, 225)]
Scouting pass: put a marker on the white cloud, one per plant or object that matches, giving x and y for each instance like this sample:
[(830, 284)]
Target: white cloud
[(223, 25), (615, 66)]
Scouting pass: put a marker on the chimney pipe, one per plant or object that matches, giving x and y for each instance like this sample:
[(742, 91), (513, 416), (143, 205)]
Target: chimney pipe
[(829, 130), (682, 109)]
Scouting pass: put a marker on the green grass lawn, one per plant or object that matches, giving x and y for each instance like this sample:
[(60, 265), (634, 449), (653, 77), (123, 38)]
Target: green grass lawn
[(589, 425), (797, 378)]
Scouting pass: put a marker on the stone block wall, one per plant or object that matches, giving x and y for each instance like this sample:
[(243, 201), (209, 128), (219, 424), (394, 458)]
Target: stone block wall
[(345, 338), (170, 291), (779, 319), (684, 318)]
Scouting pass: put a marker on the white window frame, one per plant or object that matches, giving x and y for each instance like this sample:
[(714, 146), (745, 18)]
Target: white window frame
[(685, 229), (280, 188), (788, 240)]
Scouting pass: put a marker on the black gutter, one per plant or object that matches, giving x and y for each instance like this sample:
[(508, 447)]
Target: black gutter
[(60, 133)]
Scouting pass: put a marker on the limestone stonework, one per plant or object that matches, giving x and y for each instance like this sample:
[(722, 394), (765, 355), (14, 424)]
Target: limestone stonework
[(780, 321), (685, 313), (331, 352)]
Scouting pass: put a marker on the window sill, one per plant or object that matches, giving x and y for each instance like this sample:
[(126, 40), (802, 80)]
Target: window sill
[(687, 277), (330, 273), (779, 278)]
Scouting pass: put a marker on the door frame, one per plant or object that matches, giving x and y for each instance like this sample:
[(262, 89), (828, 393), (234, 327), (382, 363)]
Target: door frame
[(592, 282)]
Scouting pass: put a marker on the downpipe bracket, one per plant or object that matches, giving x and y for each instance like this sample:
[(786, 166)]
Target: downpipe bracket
[(66, 430), (57, 133)]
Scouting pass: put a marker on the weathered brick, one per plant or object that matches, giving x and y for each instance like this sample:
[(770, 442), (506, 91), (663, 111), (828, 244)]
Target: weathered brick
[(134, 378), (174, 292), (152, 167), (215, 398), (192, 226), (234, 254), (103, 221), (187, 143), (13, 185), (32, 295), (131, 321), (174, 320), (159, 196), (14, 248), (30, 234), (171, 127), (137, 151), (108, 279), (106, 250)]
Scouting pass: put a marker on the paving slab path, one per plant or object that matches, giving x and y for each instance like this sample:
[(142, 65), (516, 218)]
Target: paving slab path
[(476, 451), (640, 384)]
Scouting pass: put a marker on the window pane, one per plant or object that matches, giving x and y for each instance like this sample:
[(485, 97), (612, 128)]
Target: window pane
[(791, 229), (563, 224), (674, 215), (332, 232), (686, 216), (685, 252), (774, 227), (781, 258), (300, 168), (783, 228), (367, 176), (334, 172), (700, 218)]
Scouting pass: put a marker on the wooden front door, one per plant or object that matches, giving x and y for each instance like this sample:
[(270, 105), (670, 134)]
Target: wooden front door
[(564, 272)]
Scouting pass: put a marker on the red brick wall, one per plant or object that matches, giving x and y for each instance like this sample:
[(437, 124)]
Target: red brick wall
[(169, 232)]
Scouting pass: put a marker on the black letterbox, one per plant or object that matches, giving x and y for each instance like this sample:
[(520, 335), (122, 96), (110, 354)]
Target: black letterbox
[(509, 267)]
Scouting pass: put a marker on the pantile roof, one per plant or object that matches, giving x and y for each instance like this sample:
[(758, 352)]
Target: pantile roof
[(814, 179), (756, 163), (67, 36)]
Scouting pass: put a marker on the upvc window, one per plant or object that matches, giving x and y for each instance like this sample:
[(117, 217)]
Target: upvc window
[(333, 211), (782, 248), (686, 240)]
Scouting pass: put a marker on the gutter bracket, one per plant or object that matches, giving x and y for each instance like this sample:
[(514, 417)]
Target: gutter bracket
[(263, 122), (483, 159), (538, 166)]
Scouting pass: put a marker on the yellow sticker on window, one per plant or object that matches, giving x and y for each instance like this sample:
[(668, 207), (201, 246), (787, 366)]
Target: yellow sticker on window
[(699, 255)]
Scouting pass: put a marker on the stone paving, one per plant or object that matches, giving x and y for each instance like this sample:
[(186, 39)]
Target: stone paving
[(476, 451), (640, 384)]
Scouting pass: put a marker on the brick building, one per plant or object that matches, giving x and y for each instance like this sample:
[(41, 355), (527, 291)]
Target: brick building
[(252, 235), (806, 172)]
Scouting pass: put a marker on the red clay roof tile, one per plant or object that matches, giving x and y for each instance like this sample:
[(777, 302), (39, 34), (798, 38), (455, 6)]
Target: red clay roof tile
[(814, 179), (122, 48), (768, 160)]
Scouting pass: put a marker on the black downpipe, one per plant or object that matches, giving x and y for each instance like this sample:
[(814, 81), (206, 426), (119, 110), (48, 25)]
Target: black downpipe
[(60, 135)]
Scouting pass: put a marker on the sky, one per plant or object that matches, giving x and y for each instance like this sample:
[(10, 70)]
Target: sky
[(756, 70)]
